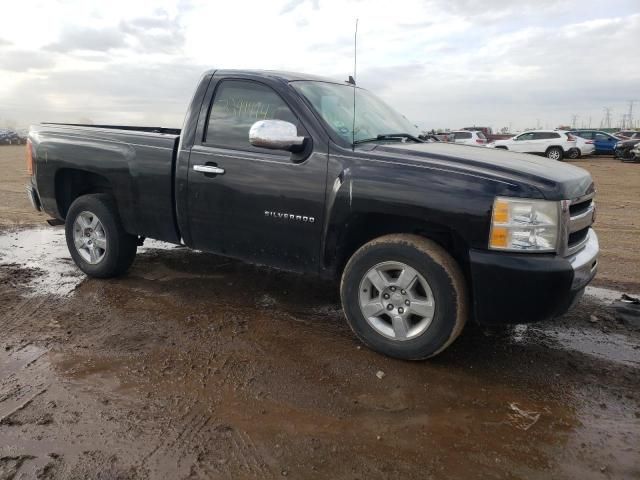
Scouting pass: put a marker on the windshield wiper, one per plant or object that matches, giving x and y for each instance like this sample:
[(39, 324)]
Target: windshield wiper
[(389, 136)]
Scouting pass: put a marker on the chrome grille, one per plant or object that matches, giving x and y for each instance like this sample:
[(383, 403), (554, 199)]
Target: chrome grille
[(578, 216)]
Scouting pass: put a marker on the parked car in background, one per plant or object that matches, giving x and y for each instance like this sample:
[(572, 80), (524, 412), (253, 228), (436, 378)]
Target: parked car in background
[(489, 134), (583, 147), (624, 147), (554, 144), (466, 137), (604, 142), (445, 137), (429, 137), (635, 153), (10, 137), (625, 134)]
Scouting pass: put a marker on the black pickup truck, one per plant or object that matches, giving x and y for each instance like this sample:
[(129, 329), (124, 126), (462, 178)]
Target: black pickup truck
[(271, 168)]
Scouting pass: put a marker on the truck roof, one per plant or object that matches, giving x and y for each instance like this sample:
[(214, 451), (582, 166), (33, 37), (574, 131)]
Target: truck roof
[(278, 74)]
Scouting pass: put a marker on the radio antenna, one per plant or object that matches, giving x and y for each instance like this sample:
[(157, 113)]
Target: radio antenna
[(352, 80)]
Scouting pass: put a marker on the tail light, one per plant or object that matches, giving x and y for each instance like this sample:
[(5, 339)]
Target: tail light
[(479, 141), (29, 157), (589, 141)]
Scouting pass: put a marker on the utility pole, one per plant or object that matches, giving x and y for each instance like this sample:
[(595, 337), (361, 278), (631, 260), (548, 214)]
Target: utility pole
[(606, 121), (623, 123), (574, 119)]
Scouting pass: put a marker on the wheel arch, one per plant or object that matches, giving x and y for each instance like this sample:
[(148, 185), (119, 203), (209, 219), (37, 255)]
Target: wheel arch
[(71, 183), (362, 228), (554, 146)]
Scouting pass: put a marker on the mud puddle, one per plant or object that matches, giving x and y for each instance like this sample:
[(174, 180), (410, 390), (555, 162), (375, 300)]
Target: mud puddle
[(609, 346), (40, 260), (607, 295)]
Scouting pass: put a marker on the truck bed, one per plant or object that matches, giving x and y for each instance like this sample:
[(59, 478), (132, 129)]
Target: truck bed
[(137, 163), (162, 130)]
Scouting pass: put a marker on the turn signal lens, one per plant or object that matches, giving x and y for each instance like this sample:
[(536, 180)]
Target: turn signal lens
[(519, 224), (500, 211), (29, 157), (499, 237)]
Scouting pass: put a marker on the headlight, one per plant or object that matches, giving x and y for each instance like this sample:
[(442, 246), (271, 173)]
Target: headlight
[(524, 225)]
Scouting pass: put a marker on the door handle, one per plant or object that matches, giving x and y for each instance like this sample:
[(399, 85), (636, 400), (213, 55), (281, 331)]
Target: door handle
[(208, 169)]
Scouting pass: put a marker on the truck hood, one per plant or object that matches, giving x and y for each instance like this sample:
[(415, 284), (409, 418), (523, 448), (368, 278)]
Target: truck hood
[(555, 180)]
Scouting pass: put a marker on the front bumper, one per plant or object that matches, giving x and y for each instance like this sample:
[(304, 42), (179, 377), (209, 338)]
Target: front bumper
[(525, 287)]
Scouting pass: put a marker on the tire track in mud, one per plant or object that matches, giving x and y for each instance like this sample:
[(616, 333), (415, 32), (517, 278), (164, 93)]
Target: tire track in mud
[(186, 450), (185, 442), (15, 313), (24, 377)]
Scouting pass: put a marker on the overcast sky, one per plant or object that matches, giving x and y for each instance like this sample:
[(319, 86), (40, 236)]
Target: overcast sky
[(450, 63)]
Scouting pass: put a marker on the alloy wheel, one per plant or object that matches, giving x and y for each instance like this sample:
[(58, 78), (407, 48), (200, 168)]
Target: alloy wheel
[(396, 300)]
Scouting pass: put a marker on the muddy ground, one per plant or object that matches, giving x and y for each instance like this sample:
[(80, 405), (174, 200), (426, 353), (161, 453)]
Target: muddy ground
[(195, 366)]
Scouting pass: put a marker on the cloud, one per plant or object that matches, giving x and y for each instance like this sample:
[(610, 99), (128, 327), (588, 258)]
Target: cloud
[(291, 5), (24, 60), (100, 40), (122, 93), (443, 63), (159, 33)]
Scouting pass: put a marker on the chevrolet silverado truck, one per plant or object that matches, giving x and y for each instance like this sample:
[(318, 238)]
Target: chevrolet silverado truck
[(280, 169)]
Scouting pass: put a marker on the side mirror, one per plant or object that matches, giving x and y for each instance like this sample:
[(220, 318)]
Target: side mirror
[(276, 135)]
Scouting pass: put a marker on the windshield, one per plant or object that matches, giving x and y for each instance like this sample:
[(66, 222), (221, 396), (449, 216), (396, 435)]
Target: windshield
[(334, 103)]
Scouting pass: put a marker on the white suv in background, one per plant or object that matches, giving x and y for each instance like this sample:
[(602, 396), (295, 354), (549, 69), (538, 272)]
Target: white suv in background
[(469, 137), (555, 144)]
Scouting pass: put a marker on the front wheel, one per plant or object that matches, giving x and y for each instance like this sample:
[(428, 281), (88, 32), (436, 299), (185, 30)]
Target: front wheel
[(96, 238), (404, 296), (555, 153)]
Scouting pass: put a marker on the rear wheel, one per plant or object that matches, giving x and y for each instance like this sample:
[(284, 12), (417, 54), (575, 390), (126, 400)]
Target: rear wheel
[(96, 239), (574, 153), (404, 296), (555, 153)]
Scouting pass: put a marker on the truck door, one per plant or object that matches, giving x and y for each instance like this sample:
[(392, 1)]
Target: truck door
[(259, 205)]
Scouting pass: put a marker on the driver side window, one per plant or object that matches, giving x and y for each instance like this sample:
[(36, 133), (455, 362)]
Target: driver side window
[(237, 105)]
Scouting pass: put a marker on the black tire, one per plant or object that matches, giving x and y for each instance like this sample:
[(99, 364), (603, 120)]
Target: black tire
[(554, 153), (574, 154), (445, 279), (120, 248)]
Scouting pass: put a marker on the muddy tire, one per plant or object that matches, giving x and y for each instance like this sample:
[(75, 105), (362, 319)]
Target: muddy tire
[(96, 239), (554, 153), (404, 296)]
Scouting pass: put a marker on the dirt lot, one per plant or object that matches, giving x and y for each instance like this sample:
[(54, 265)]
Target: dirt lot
[(195, 366)]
